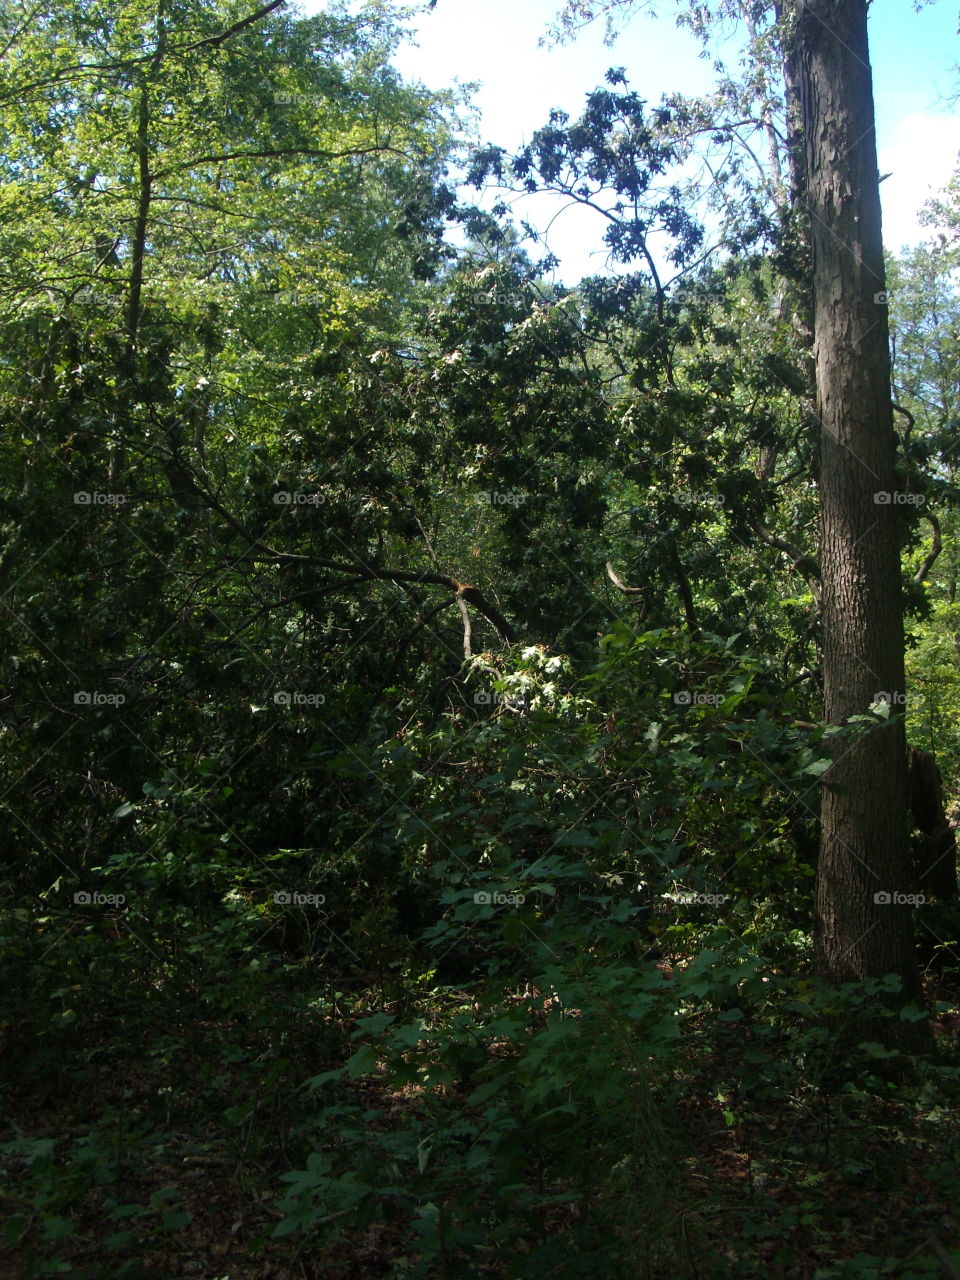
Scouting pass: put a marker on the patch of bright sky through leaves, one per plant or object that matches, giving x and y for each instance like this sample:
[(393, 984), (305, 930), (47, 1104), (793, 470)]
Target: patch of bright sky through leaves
[(495, 44)]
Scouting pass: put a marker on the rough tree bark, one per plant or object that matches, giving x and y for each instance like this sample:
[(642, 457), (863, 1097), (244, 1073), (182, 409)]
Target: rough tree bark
[(865, 850)]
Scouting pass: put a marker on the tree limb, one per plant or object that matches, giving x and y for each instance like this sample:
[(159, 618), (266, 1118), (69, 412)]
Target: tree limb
[(911, 423), (630, 591), (935, 548), (237, 26), (467, 626), (275, 152), (686, 594), (463, 591), (802, 564), (627, 591)]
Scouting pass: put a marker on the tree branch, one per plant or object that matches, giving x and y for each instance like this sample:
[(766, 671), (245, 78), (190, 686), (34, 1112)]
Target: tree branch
[(467, 626), (258, 551), (802, 564), (911, 423), (935, 548), (630, 591), (464, 591), (686, 594), (273, 152), (237, 26), (627, 591)]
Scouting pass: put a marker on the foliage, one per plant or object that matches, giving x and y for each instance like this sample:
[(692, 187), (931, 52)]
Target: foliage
[(411, 735)]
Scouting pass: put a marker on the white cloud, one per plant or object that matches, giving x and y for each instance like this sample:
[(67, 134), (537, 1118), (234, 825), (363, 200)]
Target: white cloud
[(920, 160)]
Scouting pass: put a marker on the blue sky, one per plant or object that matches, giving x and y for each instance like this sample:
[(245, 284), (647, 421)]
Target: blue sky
[(496, 43)]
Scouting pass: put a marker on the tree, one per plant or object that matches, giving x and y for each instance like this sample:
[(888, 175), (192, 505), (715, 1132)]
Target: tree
[(861, 928), (862, 925), (164, 314)]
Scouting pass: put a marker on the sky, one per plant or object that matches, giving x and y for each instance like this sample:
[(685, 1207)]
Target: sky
[(495, 43)]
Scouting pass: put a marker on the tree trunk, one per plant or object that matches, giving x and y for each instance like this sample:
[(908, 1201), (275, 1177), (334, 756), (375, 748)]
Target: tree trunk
[(936, 852), (861, 930)]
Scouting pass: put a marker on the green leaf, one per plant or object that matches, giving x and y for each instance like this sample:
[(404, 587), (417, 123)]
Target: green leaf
[(56, 1228), (175, 1220), (375, 1024), (576, 840), (818, 768), (875, 1050)]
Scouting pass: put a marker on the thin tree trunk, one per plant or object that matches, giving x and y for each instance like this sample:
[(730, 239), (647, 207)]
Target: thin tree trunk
[(139, 246), (936, 862)]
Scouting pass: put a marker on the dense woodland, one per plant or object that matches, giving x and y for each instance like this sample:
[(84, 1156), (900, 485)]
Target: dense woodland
[(477, 755)]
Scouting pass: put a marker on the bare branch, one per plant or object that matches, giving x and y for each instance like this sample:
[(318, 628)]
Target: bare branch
[(467, 626)]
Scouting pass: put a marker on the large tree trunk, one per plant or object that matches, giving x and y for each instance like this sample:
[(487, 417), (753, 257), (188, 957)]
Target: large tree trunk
[(865, 850)]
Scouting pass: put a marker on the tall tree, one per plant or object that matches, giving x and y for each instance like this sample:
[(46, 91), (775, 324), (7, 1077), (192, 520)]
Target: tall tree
[(863, 924), (861, 929)]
